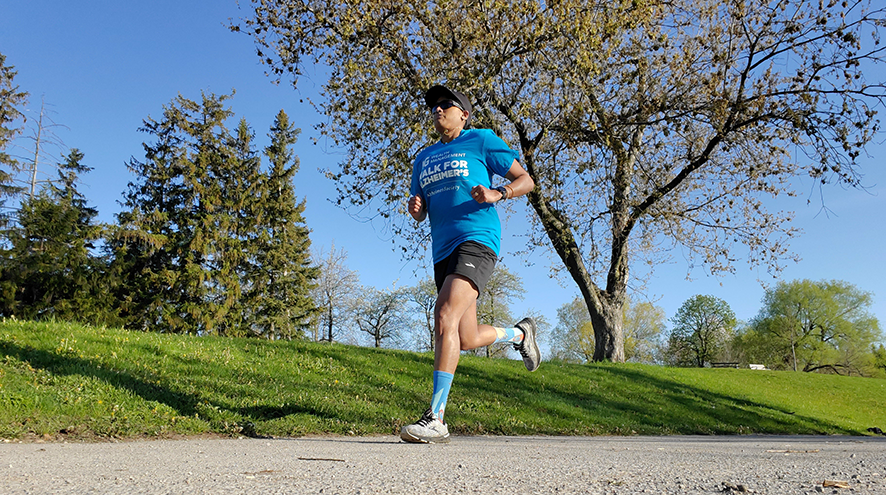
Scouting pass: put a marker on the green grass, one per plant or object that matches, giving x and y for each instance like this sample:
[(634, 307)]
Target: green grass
[(60, 380)]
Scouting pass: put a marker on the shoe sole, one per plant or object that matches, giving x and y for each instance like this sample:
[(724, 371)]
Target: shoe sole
[(406, 437), (533, 344)]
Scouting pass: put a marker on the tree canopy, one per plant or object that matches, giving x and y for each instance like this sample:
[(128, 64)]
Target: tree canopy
[(644, 323), (703, 326), (645, 124), (808, 325)]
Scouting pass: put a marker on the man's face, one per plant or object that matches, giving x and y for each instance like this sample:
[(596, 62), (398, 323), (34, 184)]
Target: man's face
[(448, 115)]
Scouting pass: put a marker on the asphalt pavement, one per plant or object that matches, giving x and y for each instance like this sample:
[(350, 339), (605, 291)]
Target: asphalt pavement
[(469, 464)]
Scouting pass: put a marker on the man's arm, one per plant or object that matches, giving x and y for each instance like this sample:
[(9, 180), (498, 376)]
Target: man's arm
[(521, 183)]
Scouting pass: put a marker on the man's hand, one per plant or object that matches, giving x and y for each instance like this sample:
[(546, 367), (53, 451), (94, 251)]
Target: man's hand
[(417, 209), (483, 194)]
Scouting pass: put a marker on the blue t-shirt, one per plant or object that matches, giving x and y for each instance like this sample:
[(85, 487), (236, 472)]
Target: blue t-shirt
[(443, 175)]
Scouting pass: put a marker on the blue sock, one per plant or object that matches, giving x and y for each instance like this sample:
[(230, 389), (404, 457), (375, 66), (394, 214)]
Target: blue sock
[(442, 384), (514, 335)]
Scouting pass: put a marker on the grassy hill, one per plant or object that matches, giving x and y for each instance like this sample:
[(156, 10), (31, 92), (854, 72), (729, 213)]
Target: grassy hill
[(60, 380)]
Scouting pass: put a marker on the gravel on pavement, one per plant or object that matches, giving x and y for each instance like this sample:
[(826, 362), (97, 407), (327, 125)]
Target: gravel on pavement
[(469, 464)]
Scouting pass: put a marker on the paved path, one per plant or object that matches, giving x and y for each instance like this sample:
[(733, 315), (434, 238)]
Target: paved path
[(511, 465)]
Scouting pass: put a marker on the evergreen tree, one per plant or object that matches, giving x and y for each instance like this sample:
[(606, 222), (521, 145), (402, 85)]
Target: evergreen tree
[(165, 244), (49, 270), (281, 275), (234, 232), (11, 100), (208, 243)]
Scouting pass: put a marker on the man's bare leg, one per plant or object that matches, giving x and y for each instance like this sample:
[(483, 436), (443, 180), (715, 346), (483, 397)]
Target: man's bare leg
[(455, 323)]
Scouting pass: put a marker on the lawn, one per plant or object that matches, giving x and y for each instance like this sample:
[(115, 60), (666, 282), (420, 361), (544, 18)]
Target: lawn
[(68, 381)]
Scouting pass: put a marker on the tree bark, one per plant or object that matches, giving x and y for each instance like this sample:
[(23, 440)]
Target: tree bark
[(609, 332)]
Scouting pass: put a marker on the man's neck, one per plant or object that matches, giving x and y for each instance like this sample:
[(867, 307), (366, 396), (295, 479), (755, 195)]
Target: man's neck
[(449, 136)]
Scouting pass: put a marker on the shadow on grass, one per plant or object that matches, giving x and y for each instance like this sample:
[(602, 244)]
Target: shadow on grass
[(381, 374), (621, 399), (702, 411), (60, 364), (222, 417), (598, 399)]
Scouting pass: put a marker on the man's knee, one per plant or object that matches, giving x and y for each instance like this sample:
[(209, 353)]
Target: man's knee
[(446, 318), (444, 326)]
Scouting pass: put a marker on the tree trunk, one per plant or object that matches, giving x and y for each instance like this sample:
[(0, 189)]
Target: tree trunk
[(604, 306), (37, 137), (605, 309), (609, 332)]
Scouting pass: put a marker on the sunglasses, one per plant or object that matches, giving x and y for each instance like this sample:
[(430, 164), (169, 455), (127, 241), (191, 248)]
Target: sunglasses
[(445, 105)]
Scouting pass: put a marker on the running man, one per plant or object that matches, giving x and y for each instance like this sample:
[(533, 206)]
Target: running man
[(452, 186)]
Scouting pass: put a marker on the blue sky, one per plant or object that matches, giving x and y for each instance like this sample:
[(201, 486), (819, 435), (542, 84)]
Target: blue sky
[(104, 66)]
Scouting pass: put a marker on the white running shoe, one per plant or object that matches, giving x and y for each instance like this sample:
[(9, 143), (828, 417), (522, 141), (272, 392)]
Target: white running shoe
[(428, 429), (528, 348)]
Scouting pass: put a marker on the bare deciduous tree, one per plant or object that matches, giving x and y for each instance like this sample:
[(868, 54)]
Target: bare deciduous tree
[(424, 298), (382, 315), (335, 288)]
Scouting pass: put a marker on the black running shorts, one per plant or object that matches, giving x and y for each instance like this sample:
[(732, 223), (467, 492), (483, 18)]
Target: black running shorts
[(471, 260)]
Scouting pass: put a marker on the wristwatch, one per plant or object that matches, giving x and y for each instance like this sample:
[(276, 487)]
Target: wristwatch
[(503, 191)]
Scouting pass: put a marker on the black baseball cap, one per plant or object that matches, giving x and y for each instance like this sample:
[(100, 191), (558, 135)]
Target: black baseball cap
[(436, 92)]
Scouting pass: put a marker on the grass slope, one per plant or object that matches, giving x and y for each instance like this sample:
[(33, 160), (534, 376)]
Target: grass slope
[(60, 380)]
